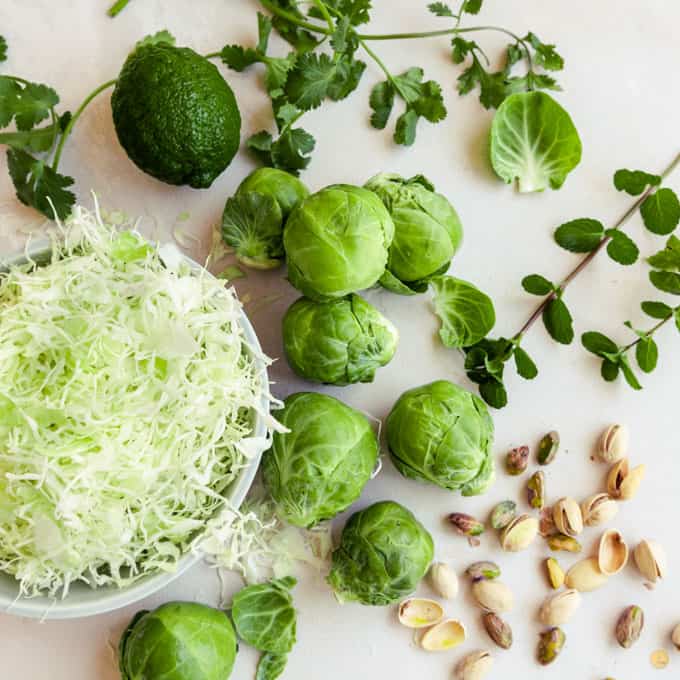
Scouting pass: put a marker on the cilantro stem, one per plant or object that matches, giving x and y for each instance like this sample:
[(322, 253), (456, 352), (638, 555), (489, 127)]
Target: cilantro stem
[(68, 129), (324, 12), (380, 63), (117, 7), (288, 16)]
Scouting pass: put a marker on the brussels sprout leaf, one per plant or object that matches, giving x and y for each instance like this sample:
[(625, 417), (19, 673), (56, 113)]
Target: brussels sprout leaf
[(580, 236), (661, 211), (634, 182), (271, 666)]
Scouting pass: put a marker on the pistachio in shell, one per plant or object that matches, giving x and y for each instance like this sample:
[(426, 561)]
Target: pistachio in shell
[(419, 612), (519, 534), (474, 666), (612, 553), (536, 490), (598, 509), (483, 571), (613, 444), (503, 514), (675, 637), (550, 644), (444, 635), (622, 482), (444, 580), (558, 609), (493, 596), (567, 517), (629, 626), (585, 576), (547, 448), (517, 460), (498, 630), (650, 558)]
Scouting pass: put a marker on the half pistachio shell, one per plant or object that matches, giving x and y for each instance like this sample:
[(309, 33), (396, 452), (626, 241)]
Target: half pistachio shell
[(585, 576), (567, 517), (520, 533), (560, 607), (650, 558), (493, 596), (622, 482), (417, 612), (444, 635), (598, 509), (474, 666), (612, 554), (613, 444)]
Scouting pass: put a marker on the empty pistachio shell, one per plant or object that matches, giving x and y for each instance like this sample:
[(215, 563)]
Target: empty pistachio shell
[(444, 580), (517, 460), (622, 482), (585, 576), (443, 635), (555, 573), (547, 448), (499, 631), (629, 626), (598, 509), (675, 637), (550, 645), (520, 533), (613, 444), (659, 658), (559, 608), (483, 571), (417, 612), (493, 596), (466, 525), (562, 542), (536, 490), (503, 514), (567, 517), (474, 666), (650, 558), (612, 554)]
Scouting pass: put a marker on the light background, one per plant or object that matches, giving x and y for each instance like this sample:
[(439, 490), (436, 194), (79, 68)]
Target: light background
[(621, 62)]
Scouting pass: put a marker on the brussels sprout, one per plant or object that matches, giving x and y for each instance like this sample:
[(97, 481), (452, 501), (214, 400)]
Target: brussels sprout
[(427, 231), (384, 552), (178, 641), (337, 342), (442, 434), (253, 219), (320, 467), (336, 242)]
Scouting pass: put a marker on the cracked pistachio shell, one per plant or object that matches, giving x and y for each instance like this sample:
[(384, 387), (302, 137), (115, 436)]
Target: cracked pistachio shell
[(650, 558), (675, 637), (550, 645), (598, 509), (517, 460), (585, 576), (536, 490), (612, 553), (483, 571), (418, 612), (622, 482), (555, 573), (629, 626), (560, 607), (444, 635), (499, 631), (562, 542), (547, 448), (444, 580), (567, 517), (493, 596), (503, 514), (474, 666), (519, 534), (613, 444)]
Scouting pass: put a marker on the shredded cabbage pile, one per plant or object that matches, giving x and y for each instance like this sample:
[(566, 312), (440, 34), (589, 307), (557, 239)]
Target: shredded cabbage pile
[(126, 404)]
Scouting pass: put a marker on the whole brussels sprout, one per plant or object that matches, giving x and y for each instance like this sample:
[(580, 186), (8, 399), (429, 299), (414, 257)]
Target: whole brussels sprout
[(443, 434), (427, 231), (338, 342), (178, 641), (319, 468), (253, 219), (336, 242), (384, 552)]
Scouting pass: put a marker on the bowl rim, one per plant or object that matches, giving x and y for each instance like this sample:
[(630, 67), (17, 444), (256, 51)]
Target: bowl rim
[(112, 598)]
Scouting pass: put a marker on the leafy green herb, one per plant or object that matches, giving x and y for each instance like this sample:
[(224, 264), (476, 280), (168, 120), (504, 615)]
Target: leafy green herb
[(271, 666), (667, 259), (580, 236), (535, 284), (163, 37), (558, 321), (634, 182), (621, 248), (661, 211), (117, 7), (3, 49)]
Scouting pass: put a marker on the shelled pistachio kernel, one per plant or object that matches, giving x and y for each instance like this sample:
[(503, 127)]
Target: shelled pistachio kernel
[(562, 542), (555, 573), (659, 658), (547, 448), (503, 514), (483, 571), (550, 644), (629, 626), (536, 490), (498, 630), (613, 444), (466, 525), (517, 460)]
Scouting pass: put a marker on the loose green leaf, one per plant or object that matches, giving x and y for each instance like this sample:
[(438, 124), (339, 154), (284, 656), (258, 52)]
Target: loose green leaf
[(667, 259), (292, 150), (545, 54), (668, 282), (356, 11), (27, 104), (600, 344), (634, 182), (646, 354), (492, 85), (526, 368), (382, 102), (657, 310), (271, 666), (467, 314), (348, 73), (3, 49), (440, 9), (533, 141), (661, 211), (628, 373), (535, 284), (494, 393), (260, 144), (239, 58), (558, 322), (621, 248), (580, 236), (298, 37), (472, 6), (609, 370), (158, 38)]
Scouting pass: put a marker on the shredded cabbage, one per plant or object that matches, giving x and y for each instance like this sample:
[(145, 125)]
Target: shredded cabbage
[(126, 403)]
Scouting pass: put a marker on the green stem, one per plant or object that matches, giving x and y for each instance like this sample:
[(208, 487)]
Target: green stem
[(378, 61), (652, 330), (324, 13), (117, 7), (213, 55), (288, 16), (67, 131)]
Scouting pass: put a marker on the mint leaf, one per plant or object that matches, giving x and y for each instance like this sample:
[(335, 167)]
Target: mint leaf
[(535, 284), (669, 257), (558, 321), (158, 38), (647, 354), (634, 182), (580, 236), (441, 9), (493, 393), (621, 248), (545, 54), (661, 211), (657, 310), (600, 344), (526, 368), (668, 282), (628, 373), (3, 49), (609, 370)]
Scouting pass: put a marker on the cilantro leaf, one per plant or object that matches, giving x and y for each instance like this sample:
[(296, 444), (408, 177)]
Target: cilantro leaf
[(39, 186), (668, 258), (382, 102), (356, 11), (291, 151), (264, 30), (634, 182), (33, 105), (3, 49), (472, 6), (10, 92), (621, 248), (299, 38), (239, 58), (441, 9), (309, 81), (158, 38), (38, 139), (492, 85), (579, 236), (661, 211), (545, 55), (348, 73), (260, 145)]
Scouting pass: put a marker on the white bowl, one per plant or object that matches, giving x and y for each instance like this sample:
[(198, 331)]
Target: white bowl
[(85, 601)]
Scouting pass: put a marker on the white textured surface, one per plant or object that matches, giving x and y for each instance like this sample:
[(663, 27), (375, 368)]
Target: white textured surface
[(621, 61)]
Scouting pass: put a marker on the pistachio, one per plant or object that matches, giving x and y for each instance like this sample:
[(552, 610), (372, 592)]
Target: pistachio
[(520, 533), (493, 596), (613, 444), (503, 514), (612, 554), (466, 525), (499, 631), (562, 542), (547, 448), (675, 637), (483, 571), (629, 626), (622, 482), (555, 573), (546, 526), (443, 635), (417, 612), (659, 658), (567, 517), (598, 509), (559, 608), (650, 558), (444, 580), (585, 576), (550, 645), (474, 666), (536, 490), (517, 460)]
